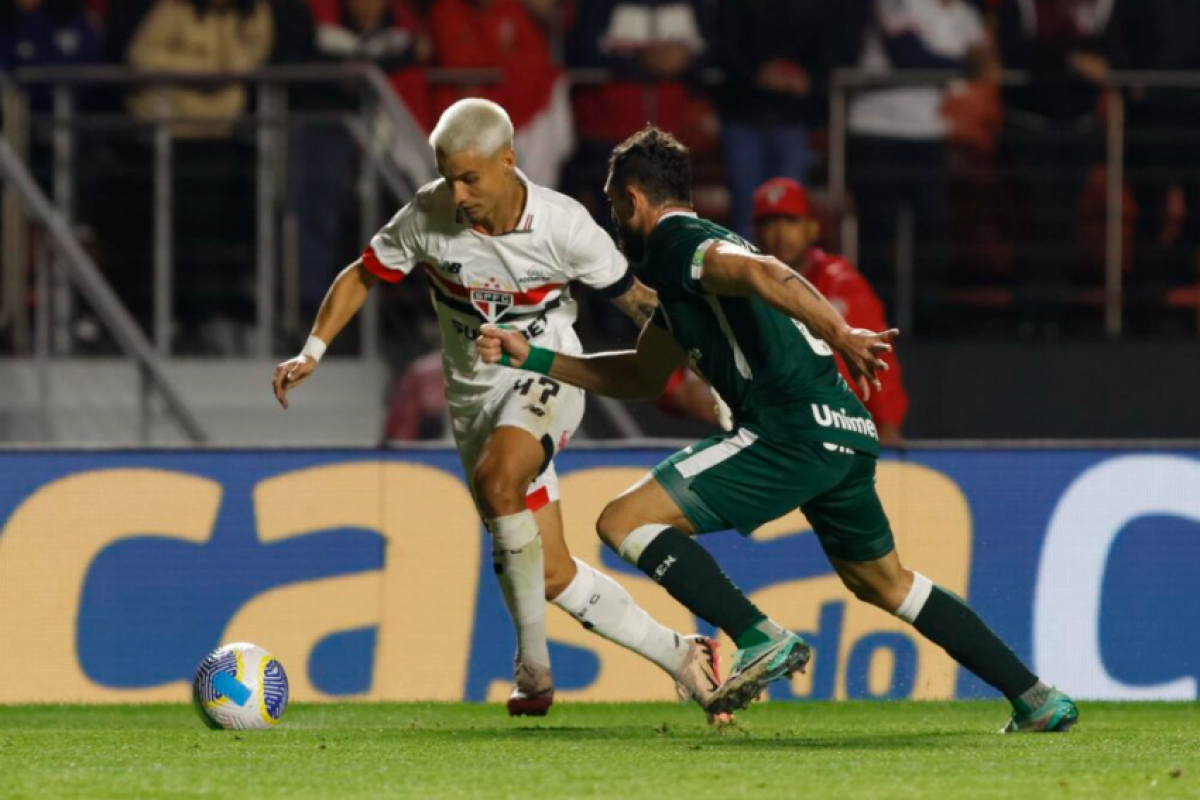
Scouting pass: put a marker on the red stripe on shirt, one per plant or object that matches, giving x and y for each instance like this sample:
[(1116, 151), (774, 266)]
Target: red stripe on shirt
[(530, 297), (376, 267)]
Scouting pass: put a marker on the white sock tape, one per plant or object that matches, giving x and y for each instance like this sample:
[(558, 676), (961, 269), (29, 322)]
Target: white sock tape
[(513, 532), (915, 601), (314, 348), (638, 540)]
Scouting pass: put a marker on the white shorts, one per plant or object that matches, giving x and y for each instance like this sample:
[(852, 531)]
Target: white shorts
[(548, 409)]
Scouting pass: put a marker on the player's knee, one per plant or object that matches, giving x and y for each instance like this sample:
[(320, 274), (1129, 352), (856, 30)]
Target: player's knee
[(612, 527), (500, 492), (854, 586), (862, 588), (883, 592)]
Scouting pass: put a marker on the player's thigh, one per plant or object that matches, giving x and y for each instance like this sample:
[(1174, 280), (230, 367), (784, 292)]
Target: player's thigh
[(535, 416), (849, 519), (510, 456), (546, 410), (742, 480)]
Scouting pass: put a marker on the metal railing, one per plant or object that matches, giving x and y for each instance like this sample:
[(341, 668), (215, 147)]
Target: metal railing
[(845, 83), (392, 145), (397, 158), (76, 267)]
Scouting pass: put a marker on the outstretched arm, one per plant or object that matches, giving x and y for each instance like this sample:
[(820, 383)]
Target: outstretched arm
[(627, 375), (735, 271), (343, 300)]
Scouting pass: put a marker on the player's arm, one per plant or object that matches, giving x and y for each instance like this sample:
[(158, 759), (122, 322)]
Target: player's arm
[(593, 259), (343, 300), (864, 309), (732, 270), (628, 375), (638, 303)]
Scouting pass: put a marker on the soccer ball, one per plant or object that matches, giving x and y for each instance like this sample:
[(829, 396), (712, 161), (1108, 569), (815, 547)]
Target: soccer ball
[(240, 686)]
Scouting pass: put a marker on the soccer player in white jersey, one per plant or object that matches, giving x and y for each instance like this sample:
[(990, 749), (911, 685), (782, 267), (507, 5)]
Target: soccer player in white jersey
[(496, 248)]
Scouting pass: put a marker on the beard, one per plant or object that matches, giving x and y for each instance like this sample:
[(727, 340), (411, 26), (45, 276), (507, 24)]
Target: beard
[(632, 244)]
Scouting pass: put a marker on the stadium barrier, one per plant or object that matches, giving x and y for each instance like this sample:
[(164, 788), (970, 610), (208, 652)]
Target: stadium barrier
[(368, 574)]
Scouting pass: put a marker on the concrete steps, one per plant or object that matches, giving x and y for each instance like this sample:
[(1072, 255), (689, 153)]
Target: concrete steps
[(96, 402)]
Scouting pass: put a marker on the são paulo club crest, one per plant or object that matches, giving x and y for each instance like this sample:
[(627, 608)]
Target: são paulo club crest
[(491, 299)]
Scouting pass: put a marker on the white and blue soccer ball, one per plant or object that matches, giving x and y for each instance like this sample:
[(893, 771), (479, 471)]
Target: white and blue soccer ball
[(240, 686)]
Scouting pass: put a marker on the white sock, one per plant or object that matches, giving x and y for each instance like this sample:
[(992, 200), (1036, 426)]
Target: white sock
[(517, 558), (916, 598), (604, 607), (638, 540)]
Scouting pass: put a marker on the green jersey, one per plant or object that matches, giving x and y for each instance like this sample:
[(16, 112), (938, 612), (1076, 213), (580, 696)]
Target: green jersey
[(775, 375)]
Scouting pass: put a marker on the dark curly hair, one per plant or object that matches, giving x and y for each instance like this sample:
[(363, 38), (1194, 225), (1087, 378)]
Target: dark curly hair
[(656, 163)]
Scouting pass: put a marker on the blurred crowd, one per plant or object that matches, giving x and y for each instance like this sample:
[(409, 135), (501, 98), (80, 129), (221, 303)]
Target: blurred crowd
[(991, 187)]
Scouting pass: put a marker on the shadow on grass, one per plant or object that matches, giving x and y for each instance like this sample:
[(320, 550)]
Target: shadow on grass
[(911, 740), (707, 740)]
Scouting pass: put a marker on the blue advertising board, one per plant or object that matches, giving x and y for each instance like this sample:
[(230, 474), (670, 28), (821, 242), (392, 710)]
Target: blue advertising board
[(368, 574)]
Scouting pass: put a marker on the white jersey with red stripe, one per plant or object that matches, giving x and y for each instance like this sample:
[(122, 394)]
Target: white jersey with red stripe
[(520, 278)]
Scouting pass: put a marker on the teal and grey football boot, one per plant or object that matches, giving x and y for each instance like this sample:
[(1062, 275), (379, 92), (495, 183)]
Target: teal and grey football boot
[(755, 667), (1056, 715)]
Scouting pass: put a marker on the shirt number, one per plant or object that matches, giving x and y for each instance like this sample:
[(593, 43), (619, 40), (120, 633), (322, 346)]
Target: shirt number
[(550, 388), (819, 346)]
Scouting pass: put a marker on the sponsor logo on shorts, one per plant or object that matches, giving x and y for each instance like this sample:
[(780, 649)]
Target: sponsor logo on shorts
[(826, 417)]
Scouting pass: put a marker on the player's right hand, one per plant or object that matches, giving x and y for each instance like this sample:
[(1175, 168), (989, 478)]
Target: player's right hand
[(497, 342), (291, 373), (862, 351)]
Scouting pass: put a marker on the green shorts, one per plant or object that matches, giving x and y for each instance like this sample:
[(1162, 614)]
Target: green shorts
[(744, 479)]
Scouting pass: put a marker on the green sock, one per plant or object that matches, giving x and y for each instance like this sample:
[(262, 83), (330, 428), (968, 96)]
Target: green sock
[(762, 632), (691, 575), (1033, 699), (949, 622)]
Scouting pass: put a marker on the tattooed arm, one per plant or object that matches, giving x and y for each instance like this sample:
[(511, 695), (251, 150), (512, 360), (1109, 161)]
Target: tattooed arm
[(638, 303), (732, 270)]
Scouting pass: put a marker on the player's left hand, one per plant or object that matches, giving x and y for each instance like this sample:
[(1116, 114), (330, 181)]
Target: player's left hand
[(862, 350), (501, 345)]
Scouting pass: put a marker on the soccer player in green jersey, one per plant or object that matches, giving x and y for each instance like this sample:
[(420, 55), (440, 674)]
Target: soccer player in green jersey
[(764, 338)]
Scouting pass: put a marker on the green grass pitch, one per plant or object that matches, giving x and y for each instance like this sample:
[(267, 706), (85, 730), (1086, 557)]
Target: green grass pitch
[(622, 752)]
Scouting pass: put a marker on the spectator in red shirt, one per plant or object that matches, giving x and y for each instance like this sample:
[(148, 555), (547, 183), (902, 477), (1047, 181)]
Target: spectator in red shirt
[(649, 51), (506, 36), (648, 47), (785, 230)]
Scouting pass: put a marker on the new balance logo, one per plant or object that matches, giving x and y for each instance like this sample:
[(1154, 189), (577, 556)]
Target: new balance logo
[(663, 567)]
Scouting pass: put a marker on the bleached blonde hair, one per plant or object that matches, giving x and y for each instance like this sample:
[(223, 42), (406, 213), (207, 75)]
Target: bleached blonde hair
[(472, 124)]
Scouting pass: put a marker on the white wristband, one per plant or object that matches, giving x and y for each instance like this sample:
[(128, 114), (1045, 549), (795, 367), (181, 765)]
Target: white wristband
[(314, 348)]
